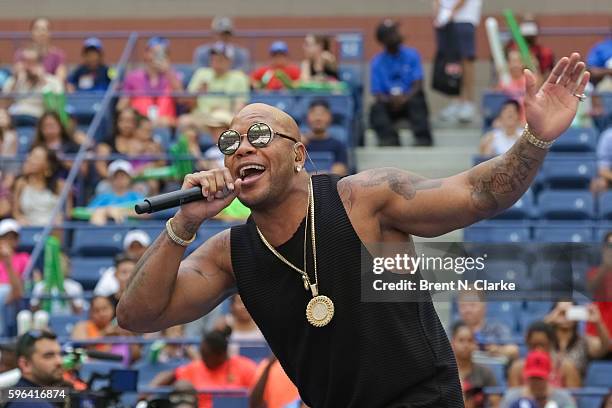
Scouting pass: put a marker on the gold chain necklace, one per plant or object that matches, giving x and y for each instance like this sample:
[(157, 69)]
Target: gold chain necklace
[(320, 308)]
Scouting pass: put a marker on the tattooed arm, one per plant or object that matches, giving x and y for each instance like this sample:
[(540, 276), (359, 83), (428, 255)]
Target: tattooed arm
[(415, 205), (164, 291)]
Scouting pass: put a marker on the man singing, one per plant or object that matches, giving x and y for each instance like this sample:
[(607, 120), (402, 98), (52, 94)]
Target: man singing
[(296, 262)]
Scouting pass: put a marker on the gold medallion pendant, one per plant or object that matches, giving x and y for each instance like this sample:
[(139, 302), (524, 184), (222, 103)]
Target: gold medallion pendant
[(320, 310)]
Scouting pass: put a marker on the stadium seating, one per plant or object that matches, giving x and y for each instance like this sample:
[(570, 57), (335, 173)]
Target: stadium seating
[(62, 325), (561, 171), (524, 208), (599, 374), (498, 231), (605, 205), (185, 72), (163, 136), (576, 140), (563, 232), (323, 161), (87, 271), (28, 237), (83, 106), (99, 367), (491, 105), (341, 106), (25, 138), (230, 401), (148, 370), (566, 205), (498, 370), (281, 101), (101, 241)]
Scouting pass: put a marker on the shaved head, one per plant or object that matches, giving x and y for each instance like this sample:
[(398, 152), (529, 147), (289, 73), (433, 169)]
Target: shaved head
[(276, 118)]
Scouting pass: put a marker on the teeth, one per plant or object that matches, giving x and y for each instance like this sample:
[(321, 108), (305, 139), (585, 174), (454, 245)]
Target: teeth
[(251, 166)]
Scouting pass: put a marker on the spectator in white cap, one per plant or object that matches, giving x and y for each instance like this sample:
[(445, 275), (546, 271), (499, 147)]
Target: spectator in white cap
[(119, 202), (135, 243), (12, 265), (92, 73), (223, 29)]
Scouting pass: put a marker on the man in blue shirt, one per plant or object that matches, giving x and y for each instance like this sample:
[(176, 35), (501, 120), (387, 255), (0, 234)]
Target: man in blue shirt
[(92, 74), (223, 27), (318, 139), (599, 60), (396, 77), (40, 361)]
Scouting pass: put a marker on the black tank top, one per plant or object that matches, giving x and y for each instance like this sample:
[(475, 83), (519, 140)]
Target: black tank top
[(371, 354)]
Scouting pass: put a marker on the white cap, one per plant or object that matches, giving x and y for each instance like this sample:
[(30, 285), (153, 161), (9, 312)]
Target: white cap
[(9, 225), (136, 236), (120, 165), (529, 28)]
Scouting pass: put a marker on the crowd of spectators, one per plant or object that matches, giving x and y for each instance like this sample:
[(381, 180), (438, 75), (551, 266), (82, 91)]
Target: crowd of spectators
[(558, 350)]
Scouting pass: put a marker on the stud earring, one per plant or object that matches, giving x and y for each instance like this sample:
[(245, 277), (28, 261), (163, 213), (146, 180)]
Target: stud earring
[(298, 169)]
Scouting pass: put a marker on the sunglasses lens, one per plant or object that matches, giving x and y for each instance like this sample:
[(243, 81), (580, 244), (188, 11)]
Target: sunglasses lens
[(229, 141), (259, 134)]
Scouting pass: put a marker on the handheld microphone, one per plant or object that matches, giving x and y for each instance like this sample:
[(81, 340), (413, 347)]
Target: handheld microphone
[(169, 200)]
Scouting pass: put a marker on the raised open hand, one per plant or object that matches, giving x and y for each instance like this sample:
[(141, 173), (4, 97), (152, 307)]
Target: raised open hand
[(551, 109)]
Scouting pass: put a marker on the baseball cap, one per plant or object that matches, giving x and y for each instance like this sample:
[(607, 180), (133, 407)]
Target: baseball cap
[(279, 47), (386, 27), (158, 41), (222, 24), (537, 364), (529, 28), (218, 118), (221, 48), (136, 236), (9, 225), (92, 43), (120, 165)]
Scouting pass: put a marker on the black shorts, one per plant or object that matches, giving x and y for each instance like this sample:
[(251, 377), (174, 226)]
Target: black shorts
[(465, 35)]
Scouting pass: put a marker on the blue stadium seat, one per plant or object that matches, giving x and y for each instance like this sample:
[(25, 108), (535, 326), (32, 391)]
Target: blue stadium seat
[(599, 374), (602, 230), (25, 138), (341, 106), (62, 325), (101, 241), (534, 310), (497, 231), (148, 370), (163, 136), (185, 72), (323, 161), (607, 101), (568, 172), (283, 102), (87, 271), (337, 132), (605, 205), (504, 312), (513, 271), (255, 352), (524, 208), (551, 276), (563, 232), (223, 401), (491, 104), (576, 140), (352, 74), (566, 205), (28, 237), (589, 401), (83, 106)]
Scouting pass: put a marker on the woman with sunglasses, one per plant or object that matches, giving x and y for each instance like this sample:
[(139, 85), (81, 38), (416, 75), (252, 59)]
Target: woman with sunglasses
[(297, 261)]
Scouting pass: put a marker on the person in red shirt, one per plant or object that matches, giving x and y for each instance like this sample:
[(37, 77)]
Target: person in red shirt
[(600, 283), (280, 74), (215, 369), (544, 56)]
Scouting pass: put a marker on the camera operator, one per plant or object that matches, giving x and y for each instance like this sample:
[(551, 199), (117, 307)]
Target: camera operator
[(40, 361)]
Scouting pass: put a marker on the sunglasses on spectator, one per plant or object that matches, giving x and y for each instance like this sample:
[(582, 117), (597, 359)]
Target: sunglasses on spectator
[(259, 136)]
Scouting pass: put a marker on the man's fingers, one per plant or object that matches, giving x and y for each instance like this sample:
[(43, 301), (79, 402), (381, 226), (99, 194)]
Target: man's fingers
[(531, 87), (557, 70), (569, 69), (577, 73), (583, 83), (229, 181)]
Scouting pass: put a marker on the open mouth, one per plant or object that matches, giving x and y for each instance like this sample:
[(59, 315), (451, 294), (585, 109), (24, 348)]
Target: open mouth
[(251, 172)]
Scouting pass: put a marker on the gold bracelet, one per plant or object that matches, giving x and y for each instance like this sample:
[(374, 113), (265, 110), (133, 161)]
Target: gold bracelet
[(531, 138), (177, 240)]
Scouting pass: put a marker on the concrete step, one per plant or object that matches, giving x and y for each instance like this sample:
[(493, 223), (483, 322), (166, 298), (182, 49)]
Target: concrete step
[(427, 161)]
